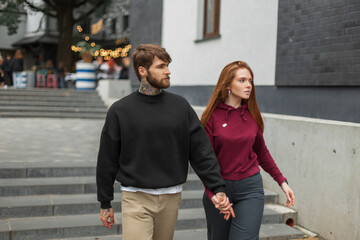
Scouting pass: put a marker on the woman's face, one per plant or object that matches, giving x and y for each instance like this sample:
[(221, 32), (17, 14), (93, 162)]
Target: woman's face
[(241, 85)]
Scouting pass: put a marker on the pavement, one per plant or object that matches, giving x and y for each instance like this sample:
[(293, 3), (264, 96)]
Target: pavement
[(46, 140)]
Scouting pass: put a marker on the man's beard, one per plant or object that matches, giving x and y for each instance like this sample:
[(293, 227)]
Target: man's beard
[(160, 84)]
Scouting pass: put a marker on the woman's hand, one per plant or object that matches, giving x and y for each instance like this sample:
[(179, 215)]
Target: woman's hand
[(222, 203), (289, 194)]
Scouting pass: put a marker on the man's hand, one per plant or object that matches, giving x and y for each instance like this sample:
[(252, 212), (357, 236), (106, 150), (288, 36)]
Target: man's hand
[(107, 217), (222, 203)]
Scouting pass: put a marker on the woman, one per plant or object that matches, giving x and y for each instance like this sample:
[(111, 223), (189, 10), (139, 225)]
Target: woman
[(235, 127)]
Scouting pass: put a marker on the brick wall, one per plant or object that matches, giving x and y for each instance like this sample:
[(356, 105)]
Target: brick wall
[(318, 43)]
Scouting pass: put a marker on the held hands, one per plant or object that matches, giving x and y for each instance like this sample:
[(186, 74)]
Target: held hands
[(289, 194), (107, 217), (222, 203)]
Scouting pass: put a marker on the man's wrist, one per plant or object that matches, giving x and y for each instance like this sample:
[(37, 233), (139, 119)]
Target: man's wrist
[(105, 205)]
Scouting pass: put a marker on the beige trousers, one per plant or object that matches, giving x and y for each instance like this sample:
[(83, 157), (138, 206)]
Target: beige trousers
[(149, 217)]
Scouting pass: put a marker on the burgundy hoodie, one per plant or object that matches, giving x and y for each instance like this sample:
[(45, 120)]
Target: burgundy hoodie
[(239, 144)]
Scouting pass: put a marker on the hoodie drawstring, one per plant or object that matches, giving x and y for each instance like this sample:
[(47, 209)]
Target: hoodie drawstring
[(242, 113), (226, 114)]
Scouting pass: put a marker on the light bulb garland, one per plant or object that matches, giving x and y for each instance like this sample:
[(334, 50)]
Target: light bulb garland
[(112, 12)]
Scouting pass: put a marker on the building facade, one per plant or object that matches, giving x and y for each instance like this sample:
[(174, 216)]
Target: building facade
[(37, 34), (305, 54)]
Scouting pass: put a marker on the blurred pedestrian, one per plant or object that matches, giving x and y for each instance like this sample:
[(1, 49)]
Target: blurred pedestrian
[(110, 68), (98, 62), (17, 66), (124, 73), (49, 66), (7, 69), (235, 128), (1, 73), (60, 74), (146, 144)]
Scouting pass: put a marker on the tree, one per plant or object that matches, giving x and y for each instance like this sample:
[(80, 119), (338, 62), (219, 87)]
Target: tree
[(10, 16), (67, 13)]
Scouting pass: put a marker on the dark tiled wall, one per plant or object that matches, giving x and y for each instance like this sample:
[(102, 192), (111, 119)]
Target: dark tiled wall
[(145, 24), (333, 103), (318, 43)]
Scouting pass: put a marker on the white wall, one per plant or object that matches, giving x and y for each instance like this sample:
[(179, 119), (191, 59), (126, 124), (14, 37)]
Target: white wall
[(248, 32), (321, 160)]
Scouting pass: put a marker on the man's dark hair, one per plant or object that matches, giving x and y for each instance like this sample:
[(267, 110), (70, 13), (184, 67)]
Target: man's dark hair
[(144, 56)]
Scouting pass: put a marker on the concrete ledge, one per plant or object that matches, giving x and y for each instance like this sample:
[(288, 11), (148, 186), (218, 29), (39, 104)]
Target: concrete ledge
[(321, 159), (112, 90)]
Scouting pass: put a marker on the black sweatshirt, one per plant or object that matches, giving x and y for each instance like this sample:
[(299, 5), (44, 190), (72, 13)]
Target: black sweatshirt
[(147, 141)]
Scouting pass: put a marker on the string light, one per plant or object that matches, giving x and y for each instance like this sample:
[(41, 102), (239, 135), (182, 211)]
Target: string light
[(122, 35), (106, 53), (79, 28)]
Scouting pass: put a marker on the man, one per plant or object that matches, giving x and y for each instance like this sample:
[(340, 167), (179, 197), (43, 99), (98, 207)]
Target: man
[(147, 140), (7, 69)]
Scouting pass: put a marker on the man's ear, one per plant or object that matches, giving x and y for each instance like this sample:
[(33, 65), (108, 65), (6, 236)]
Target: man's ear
[(142, 71)]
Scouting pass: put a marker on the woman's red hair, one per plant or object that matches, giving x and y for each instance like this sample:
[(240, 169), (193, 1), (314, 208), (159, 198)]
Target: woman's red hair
[(220, 93)]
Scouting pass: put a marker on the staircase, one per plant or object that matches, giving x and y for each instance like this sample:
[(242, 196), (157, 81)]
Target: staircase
[(51, 103), (51, 201)]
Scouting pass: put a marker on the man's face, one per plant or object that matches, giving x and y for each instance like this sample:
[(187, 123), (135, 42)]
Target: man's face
[(158, 75)]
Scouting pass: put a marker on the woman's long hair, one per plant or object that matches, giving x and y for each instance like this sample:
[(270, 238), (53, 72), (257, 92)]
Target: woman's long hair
[(220, 93)]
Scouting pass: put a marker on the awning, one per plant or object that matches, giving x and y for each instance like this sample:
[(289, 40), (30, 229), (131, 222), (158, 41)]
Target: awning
[(37, 39)]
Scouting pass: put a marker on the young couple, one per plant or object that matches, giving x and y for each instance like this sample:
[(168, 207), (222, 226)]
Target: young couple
[(151, 135)]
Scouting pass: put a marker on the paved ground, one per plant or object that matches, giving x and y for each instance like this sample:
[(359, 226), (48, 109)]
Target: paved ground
[(49, 140)]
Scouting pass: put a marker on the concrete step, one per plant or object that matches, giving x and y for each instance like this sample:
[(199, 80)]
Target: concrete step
[(71, 204), (52, 104), (61, 205), (81, 225), (267, 232), (66, 185), (47, 92), (193, 234), (62, 109), (35, 170), (50, 98), (53, 169), (51, 115), (90, 225)]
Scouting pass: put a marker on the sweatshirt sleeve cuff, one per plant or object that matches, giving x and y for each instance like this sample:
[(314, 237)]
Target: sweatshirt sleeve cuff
[(219, 189), (105, 205), (280, 180)]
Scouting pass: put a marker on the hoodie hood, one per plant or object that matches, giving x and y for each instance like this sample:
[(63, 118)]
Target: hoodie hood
[(228, 108)]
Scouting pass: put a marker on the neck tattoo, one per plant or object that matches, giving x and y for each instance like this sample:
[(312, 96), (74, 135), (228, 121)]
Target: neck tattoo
[(146, 89)]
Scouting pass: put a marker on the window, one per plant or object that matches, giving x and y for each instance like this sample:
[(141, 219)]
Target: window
[(125, 22), (113, 25), (211, 18), (86, 26)]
